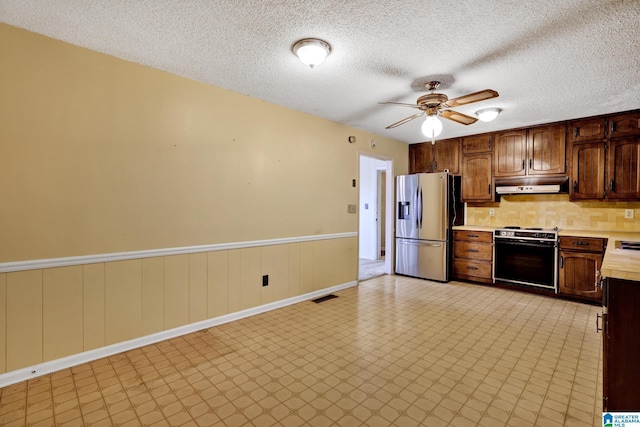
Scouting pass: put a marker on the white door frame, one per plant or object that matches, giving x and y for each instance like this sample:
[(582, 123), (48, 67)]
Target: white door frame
[(389, 210)]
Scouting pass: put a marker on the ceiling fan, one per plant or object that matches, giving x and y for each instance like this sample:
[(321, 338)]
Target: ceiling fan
[(433, 104)]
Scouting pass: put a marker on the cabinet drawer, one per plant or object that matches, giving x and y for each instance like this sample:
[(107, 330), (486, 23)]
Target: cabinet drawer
[(474, 251), (463, 267), (591, 244), (473, 236)]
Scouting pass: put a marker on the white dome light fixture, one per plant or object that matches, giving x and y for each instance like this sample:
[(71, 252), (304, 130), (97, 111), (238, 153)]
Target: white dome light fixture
[(432, 127), (488, 114), (311, 52)]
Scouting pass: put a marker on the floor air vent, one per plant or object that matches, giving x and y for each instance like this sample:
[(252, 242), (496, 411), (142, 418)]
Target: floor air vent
[(324, 298)]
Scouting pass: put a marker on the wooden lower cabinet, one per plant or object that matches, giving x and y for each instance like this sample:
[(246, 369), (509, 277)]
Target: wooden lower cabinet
[(473, 256), (621, 346), (579, 267)]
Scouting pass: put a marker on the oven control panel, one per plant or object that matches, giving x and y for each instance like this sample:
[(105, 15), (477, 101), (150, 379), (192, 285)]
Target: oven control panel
[(527, 234)]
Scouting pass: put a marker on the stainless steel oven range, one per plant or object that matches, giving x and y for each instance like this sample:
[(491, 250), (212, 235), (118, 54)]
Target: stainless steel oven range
[(526, 256)]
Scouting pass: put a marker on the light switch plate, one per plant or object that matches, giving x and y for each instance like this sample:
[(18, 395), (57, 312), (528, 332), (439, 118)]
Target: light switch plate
[(351, 209), (628, 213)]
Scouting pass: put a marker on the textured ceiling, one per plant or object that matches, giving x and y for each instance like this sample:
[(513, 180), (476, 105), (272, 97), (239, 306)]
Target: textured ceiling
[(550, 60)]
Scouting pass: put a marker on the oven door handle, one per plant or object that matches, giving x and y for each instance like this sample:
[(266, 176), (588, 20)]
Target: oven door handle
[(525, 243)]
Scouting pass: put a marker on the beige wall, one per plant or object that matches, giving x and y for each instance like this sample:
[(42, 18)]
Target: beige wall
[(557, 211), (103, 155), (99, 155)]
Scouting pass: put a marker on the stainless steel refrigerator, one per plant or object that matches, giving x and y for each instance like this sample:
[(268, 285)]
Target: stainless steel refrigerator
[(427, 206)]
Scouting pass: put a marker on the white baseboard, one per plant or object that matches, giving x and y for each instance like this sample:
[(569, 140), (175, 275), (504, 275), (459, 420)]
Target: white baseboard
[(88, 356)]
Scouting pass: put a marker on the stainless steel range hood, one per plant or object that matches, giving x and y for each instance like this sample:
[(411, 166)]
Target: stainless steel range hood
[(532, 185)]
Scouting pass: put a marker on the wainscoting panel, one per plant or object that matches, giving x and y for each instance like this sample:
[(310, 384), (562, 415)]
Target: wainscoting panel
[(62, 312), (24, 319), (58, 312), (3, 323)]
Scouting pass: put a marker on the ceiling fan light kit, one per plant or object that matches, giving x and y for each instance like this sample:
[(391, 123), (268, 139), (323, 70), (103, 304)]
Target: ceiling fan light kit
[(434, 104), (432, 127), (488, 114), (311, 52)]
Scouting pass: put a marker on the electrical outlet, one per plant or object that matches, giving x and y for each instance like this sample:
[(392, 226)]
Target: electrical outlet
[(351, 209), (492, 212), (265, 280), (628, 213)]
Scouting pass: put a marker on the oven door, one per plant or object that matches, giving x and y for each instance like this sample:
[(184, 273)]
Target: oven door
[(527, 262)]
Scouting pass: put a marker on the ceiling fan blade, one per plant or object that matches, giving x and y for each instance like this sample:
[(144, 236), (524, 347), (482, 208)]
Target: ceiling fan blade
[(458, 117), (472, 97), (405, 120), (399, 103)]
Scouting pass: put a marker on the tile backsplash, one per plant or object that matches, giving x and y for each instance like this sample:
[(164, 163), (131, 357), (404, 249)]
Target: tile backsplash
[(556, 210)]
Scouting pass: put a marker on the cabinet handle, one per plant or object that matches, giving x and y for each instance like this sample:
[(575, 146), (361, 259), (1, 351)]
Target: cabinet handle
[(598, 317), (523, 164), (579, 243), (575, 186), (576, 132), (489, 189), (612, 127), (472, 250), (530, 163), (473, 236), (611, 183), (471, 268), (561, 262)]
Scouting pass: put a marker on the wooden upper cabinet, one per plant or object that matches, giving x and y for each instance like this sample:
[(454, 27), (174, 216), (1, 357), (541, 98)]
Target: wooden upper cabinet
[(546, 150), (510, 154), (426, 157), (477, 143), (419, 158), (624, 125), (587, 171), (587, 130), (476, 178), (446, 156), (623, 173)]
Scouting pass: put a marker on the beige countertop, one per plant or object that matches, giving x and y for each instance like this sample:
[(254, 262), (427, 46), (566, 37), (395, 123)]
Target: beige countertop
[(618, 263), (489, 228)]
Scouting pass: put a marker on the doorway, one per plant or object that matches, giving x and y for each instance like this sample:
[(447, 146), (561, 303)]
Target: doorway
[(375, 227)]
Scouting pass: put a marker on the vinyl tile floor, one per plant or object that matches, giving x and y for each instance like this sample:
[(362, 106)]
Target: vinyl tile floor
[(391, 351)]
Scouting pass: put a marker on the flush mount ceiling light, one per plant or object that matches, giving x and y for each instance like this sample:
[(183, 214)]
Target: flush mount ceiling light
[(488, 114), (311, 51), (432, 127)]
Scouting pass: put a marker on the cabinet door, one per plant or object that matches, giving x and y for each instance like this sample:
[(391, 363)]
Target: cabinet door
[(476, 178), (624, 125), (587, 171), (622, 168), (510, 153), (477, 143), (420, 156), (579, 274), (621, 370), (446, 155), (587, 130), (546, 150)]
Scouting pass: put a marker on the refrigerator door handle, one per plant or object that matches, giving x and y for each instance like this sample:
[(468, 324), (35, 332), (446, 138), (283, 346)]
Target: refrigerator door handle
[(419, 205), (420, 243)]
